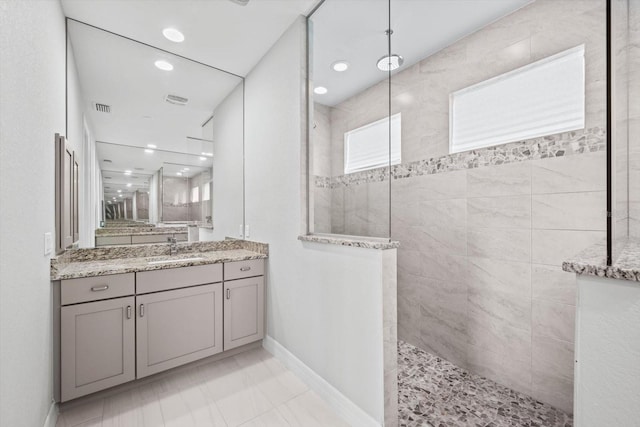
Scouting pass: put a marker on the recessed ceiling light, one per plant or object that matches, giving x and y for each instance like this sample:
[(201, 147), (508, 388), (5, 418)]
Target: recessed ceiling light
[(186, 169), (163, 65), (390, 62), (128, 184), (121, 195), (127, 172), (340, 66), (173, 35), (203, 158), (320, 90), (207, 154), (119, 191), (152, 146), (179, 173), (148, 150)]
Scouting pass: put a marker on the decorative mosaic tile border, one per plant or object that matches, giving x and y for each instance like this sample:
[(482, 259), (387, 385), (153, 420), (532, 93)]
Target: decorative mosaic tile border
[(559, 145)]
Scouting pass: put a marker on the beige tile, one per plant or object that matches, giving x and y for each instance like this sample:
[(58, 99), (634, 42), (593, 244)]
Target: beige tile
[(552, 247), (268, 419), (448, 240), (123, 409), (496, 243), (449, 185), (551, 283), (436, 265), (554, 320), (570, 211), (499, 212), (84, 412), (499, 276), (569, 174), (489, 312), (243, 405), (448, 212), (509, 179), (442, 337), (309, 410)]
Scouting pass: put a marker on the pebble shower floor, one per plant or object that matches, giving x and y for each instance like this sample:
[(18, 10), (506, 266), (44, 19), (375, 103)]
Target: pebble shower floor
[(436, 393)]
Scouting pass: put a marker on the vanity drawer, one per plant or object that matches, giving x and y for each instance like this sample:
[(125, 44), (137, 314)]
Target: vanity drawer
[(181, 237), (73, 291), (174, 278), (151, 238), (113, 240), (241, 269)]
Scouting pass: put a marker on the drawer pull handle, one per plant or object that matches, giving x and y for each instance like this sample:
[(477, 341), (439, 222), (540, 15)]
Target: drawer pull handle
[(141, 310), (128, 312), (99, 288), (245, 268)]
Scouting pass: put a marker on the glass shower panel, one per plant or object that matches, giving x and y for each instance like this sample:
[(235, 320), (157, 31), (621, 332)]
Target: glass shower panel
[(350, 126)]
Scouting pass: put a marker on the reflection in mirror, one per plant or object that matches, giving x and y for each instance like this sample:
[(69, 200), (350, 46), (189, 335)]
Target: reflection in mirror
[(168, 143)]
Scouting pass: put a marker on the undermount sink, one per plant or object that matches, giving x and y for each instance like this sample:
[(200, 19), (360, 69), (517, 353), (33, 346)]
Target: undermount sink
[(170, 261)]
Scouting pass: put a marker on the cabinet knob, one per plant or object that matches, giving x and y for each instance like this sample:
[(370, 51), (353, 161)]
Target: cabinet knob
[(245, 268), (100, 288), (141, 310)]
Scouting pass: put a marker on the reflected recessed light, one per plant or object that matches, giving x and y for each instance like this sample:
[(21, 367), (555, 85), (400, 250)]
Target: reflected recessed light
[(340, 66), (148, 150), (179, 173), (390, 63), (127, 172), (173, 35), (119, 191), (203, 158), (207, 154), (186, 169), (121, 195), (152, 146), (163, 65), (128, 184), (320, 90)]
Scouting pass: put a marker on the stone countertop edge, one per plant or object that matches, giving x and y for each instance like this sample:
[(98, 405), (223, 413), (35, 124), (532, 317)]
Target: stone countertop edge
[(362, 242), (76, 270), (592, 262)]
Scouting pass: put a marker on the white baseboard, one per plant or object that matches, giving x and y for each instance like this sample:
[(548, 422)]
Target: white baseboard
[(344, 407), (52, 416)]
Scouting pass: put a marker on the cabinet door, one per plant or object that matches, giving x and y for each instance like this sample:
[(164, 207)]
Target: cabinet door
[(97, 346), (178, 327), (243, 311)]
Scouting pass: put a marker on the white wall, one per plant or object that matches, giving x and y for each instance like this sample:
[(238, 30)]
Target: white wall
[(324, 302), (32, 110), (607, 353), (227, 166)]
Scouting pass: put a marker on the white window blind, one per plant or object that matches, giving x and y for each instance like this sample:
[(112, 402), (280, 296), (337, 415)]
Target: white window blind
[(543, 98), (368, 146)]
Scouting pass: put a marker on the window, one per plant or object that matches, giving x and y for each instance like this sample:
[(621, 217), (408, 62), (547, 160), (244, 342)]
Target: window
[(368, 146), (542, 98), (206, 192), (195, 194)]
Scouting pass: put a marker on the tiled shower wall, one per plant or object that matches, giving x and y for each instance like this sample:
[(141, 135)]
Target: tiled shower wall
[(634, 118), (482, 234)]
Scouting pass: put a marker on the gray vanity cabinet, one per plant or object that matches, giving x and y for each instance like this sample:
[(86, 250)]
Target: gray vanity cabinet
[(177, 327), (97, 346), (243, 303)]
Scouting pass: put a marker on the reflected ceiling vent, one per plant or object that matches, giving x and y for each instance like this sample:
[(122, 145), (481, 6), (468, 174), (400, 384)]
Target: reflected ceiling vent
[(139, 169), (107, 161), (240, 2), (107, 177), (176, 100), (102, 108)]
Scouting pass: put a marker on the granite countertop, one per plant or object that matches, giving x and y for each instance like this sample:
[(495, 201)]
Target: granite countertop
[(352, 241), (134, 258), (593, 262), (138, 231)]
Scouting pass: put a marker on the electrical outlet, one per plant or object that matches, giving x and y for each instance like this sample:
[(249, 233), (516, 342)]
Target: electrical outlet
[(48, 243), (246, 231)]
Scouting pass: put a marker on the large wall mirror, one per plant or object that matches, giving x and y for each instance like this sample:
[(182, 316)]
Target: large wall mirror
[(161, 138)]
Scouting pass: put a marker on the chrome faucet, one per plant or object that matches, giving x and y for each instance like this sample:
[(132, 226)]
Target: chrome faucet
[(173, 245)]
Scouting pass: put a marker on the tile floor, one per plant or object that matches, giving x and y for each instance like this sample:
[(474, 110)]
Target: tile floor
[(434, 392), (251, 389)]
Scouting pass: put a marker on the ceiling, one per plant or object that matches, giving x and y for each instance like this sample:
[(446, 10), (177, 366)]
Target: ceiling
[(219, 33), (354, 30)]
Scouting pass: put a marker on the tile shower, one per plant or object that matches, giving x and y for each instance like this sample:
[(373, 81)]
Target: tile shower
[(483, 233)]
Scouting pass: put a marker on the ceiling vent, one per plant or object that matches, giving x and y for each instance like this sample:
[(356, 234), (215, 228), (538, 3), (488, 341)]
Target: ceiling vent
[(139, 169), (176, 100), (102, 108), (240, 2), (107, 161)]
